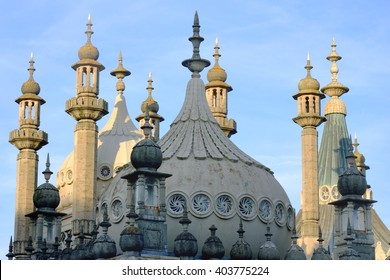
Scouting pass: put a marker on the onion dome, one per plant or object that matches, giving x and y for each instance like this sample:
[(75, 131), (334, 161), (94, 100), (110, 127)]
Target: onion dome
[(104, 247), (31, 86), (268, 250), (131, 240), (146, 154), (213, 247), (295, 252), (241, 250), (308, 84), (46, 196), (217, 75), (88, 51), (321, 254), (352, 182), (185, 245), (81, 251), (150, 102), (349, 253)]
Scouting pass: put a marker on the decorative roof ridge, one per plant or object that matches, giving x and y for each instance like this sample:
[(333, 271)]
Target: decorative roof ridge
[(196, 132)]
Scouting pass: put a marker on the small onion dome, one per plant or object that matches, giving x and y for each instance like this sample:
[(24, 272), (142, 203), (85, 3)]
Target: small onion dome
[(104, 247), (217, 75), (185, 245), (295, 252), (46, 196), (352, 182), (131, 240), (88, 51), (308, 83), (268, 250), (213, 247), (146, 154), (321, 254), (31, 86), (349, 253), (241, 250)]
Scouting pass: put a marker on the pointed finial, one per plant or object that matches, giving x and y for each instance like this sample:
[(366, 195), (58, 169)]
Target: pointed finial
[(150, 85), (120, 72), (216, 54), (268, 234), (184, 221), (355, 143), (240, 230), (147, 127), (89, 31), (31, 69), (196, 64), (47, 173), (308, 66), (213, 229), (308, 56)]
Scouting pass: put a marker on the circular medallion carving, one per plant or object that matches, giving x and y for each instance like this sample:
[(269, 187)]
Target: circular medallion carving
[(324, 193), (290, 218), (176, 204), (104, 172), (224, 206), (117, 210), (335, 193), (200, 204), (280, 214), (69, 176), (265, 210), (246, 207)]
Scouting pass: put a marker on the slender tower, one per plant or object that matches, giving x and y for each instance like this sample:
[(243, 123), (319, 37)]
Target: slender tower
[(217, 95), (28, 139), (309, 117), (86, 108)]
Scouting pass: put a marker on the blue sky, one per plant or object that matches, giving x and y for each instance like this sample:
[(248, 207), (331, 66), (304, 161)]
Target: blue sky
[(263, 44)]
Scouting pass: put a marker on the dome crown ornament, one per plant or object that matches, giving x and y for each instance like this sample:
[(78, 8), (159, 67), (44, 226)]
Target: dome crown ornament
[(196, 64), (31, 86), (88, 51)]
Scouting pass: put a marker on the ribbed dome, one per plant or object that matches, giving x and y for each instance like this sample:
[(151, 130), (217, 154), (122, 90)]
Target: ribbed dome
[(151, 104), (131, 240), (88, 51), (30, 86), (352, 182), (268, 250), (308, 83), (185, 245), (216, 74), (46, 196), (146, 154), (213, 247)]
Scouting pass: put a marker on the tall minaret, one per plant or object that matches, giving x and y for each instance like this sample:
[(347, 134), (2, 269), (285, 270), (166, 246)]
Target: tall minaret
[(86, 109), (28, 139), (217, 95), (309, 117)]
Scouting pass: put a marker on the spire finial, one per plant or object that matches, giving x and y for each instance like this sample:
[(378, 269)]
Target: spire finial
[(89, 31), (308, 66), (355, 143), (31, 69), (334, 57), (150, 87), (147, 127), (196, 64), (216, 54), (120, 72), (240, 230), (47, 173)]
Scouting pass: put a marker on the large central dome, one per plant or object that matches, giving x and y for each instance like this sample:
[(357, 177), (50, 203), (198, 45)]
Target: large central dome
[(217, 182)]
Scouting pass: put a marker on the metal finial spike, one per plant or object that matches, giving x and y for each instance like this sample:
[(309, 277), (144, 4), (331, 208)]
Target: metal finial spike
[(308, 57), (196, 19), (89, 31), (31, 69), (47, 173), (150, 87), (120, 58), (216, 54)]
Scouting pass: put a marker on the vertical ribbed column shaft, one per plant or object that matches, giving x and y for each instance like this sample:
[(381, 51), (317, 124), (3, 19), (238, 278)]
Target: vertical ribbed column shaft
[(85, 155), (310, 195)]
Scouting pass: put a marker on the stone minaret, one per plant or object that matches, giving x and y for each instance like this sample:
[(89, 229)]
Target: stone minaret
[(309, 117), (86, 108), (217, 95), (28, 139)]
